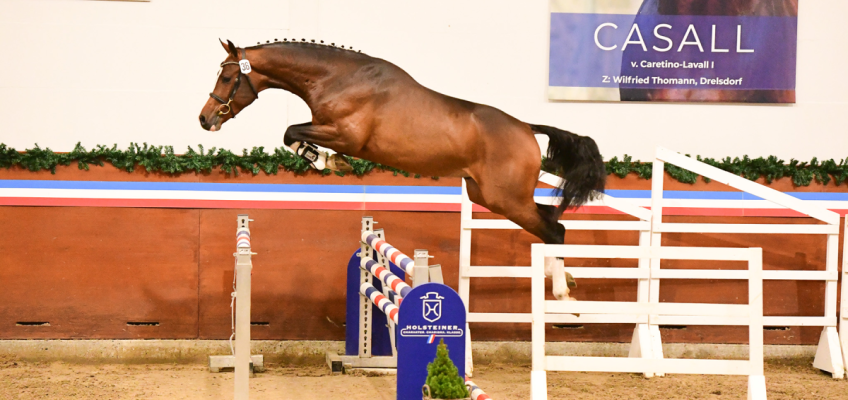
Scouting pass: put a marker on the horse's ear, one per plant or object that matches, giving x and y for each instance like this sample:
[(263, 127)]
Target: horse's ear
[(224, 45), (233, 49)]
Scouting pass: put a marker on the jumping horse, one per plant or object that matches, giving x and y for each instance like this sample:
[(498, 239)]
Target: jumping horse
[(369, 108)]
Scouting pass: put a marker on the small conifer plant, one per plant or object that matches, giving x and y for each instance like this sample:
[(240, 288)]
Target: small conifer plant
[(443, 376)]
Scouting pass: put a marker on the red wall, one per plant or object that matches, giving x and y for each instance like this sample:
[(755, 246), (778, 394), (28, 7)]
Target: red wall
[(89, 271)]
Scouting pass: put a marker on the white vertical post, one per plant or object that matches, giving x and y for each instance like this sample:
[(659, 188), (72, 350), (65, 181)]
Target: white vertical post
[(538, 375), (829, 355), (242, 345), (465, 248), (640, 345), (421, 269), (365, 252), (465, 270), (843, 326), (755, 302), (436, 274), (832, 266), (642, 342), (756, 378), (657, 177), (644, 287)]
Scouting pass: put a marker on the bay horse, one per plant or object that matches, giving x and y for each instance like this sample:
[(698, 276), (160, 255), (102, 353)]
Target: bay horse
[(369, 108)]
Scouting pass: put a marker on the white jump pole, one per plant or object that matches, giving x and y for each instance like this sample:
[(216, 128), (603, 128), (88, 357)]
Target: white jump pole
[(242, 342)]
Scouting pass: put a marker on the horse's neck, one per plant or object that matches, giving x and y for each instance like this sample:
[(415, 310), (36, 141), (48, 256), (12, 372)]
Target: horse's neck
[(295, 69)]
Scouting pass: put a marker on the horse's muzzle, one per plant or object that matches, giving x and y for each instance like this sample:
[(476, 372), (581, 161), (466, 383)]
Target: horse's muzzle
[(210, 124)]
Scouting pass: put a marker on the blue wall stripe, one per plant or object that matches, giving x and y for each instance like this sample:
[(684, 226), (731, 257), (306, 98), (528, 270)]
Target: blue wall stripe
[(363, 189), (229, 187)]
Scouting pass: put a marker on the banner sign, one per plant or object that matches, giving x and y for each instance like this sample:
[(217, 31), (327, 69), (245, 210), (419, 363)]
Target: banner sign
[(653, 55)]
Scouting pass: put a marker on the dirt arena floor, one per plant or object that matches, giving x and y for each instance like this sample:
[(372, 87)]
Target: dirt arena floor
[(789, 380)]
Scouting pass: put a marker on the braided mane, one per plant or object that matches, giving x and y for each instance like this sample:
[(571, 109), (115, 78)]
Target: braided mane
[(304, 42)]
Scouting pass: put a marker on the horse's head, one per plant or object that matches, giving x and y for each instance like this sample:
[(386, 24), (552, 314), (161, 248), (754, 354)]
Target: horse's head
[(233, 91)]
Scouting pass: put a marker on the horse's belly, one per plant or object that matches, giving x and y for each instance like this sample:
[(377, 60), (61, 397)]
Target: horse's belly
[(422, 161)]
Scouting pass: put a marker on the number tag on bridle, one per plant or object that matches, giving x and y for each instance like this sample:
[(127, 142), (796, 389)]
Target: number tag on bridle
[(245, 66)]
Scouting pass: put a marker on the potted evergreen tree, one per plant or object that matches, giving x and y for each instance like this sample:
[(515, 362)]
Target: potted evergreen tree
[(443, 380)]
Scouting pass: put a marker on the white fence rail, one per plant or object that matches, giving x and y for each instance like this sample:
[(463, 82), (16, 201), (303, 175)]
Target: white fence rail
[(751, 314), (829, 355)]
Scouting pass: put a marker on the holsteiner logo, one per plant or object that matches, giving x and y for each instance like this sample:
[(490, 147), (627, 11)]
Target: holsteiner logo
[(432, 307), (432, 312)]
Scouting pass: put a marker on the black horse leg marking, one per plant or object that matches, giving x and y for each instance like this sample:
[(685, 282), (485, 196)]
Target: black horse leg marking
[(288, 138), (555, 230), (322, 135)]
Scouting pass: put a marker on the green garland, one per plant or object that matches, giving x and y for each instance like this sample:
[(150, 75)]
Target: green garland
[(163, 159), (771, 168)]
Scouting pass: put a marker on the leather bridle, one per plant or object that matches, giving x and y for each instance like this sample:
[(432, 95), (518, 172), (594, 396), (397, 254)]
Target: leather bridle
[(226, 104)]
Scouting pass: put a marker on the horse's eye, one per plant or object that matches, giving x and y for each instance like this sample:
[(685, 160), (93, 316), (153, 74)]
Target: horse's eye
[(226, 80)]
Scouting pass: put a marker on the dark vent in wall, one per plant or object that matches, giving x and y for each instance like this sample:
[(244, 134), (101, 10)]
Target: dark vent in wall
[(32, 323), (154, 323), (567, 326), (674, 327), (776, 328)]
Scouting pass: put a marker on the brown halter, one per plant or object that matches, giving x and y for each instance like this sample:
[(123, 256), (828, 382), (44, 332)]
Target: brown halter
[(235, 87)]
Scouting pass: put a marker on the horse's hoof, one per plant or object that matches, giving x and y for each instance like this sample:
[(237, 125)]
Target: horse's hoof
[(570, 281), (560, 293), (336, 162)]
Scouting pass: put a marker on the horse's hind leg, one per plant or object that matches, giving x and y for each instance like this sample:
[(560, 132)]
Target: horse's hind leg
[(550, 213), (515, 202)]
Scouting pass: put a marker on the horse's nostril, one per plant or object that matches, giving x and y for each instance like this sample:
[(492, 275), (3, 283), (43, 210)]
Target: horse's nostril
[(202, 119)]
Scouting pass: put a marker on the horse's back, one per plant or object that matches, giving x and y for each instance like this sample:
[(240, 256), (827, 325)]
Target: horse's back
[(412, 127)]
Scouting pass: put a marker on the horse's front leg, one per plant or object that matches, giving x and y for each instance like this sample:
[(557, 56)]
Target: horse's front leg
[(302, 138)]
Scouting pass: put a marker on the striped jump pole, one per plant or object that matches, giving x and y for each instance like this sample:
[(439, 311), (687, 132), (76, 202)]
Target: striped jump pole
[(368, 344), (390, 280), (381, 301), (394, 255), (476, 392)]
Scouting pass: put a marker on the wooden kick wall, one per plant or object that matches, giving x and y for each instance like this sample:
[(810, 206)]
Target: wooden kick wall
[(137, 273)]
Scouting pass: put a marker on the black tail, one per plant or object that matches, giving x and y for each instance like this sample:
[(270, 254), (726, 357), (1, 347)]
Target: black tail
[(577, 160)]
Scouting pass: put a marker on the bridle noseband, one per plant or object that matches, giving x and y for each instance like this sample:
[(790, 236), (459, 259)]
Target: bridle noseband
[(226, 104)]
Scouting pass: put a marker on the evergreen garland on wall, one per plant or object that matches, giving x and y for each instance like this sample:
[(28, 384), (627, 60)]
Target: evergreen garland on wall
[(163, 159)]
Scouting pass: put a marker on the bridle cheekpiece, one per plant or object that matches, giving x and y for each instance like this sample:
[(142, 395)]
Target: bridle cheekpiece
[(244, 69)]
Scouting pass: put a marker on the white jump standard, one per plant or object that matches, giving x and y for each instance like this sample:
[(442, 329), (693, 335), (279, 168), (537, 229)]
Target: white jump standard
[(829, 354), (656, 313), (243, 363)]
